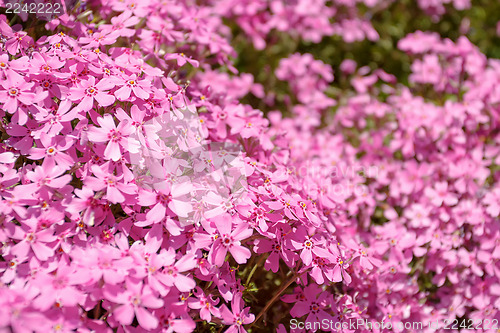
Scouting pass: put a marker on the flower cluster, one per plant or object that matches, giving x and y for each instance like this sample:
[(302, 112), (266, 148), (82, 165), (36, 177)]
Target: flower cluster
[(308, 79), (305, 19), (437, 8), (139, 193)]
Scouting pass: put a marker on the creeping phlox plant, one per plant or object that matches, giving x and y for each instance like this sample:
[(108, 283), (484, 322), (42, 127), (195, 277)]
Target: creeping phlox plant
[(139, 193)]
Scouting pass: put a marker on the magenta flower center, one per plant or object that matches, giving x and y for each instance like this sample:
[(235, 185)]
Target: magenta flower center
[(114, 135), (164, 198), (227, 240), (92, 202), (43, 224)]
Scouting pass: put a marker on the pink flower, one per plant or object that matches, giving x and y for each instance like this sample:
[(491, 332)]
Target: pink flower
[(115, 188), (56, 121), (18, 41), (105, 262), (230, 240), (40, 241), (42, 63), (12, 67), (308, 245), (54, 148), (88, 203), (366, 259), (15, 200), (168, 196), (114, 136), (135, 299), (173, 321), (440, 194), (236, 317), (348, 66), (427, 71), (48, 176), (340, 266), (418, 215), (206, 305), (59, 288), (121, 24), (313, 305), (171, 276), (88, 91), (128, 84), (276, 249), (182, 59), (492, 201), (16, 90)]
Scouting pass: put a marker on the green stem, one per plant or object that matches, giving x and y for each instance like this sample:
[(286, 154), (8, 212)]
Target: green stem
[(255, 268)]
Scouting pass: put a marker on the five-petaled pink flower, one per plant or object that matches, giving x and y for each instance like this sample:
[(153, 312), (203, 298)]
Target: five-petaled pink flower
[(140, 87), (89, 90), (17, 90), (114, 136), (167, 196), (229, 239), (237, 316), (134, 299), (115, 187)]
